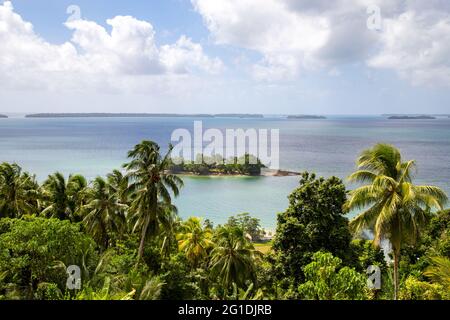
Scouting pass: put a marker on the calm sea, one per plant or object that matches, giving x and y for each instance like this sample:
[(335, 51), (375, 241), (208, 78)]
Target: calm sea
[(95, 146)]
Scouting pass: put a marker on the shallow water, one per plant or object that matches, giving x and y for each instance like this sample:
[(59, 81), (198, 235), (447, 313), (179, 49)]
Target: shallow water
[(95, 146)]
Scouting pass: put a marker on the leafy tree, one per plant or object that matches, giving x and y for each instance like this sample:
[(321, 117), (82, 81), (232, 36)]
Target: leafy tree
[(438, 235), (30, 249), (247, 223), (18, 192), (434, 241), (314, 221), (149, 184), (327, 280), (414, 289), (63, 199), (395, 208), (103, 213), (194, 240), (181, 281), (365, 254)]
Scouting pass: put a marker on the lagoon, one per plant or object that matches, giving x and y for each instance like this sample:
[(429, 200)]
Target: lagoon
[(95, 146)]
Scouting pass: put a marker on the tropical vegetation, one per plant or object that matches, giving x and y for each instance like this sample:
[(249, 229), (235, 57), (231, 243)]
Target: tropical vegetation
[(123, 235)]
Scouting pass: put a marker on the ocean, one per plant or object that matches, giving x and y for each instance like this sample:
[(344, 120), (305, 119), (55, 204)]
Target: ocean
[(95, 146)]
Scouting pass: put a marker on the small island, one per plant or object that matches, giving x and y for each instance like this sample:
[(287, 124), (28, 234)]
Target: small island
[(239, 115), (305, 117), (3, 116), (423, 117), (246, 165)]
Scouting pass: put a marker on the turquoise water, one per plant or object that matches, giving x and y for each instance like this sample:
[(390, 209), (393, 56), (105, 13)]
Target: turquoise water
[(328, 147)]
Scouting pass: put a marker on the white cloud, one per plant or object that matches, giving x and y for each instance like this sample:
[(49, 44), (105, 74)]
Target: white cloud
[(127, 58), (185, 54), (290, 35), (416, 44), (296, 35)]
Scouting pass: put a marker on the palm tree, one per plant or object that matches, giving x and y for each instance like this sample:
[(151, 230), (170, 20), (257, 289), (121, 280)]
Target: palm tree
[(439, 271), (18, 192), (170, 224), (104, 214), (194, 240), (233, 258), (149, 186), (118, 184), (62, 200), (394, 208), (77, 186)]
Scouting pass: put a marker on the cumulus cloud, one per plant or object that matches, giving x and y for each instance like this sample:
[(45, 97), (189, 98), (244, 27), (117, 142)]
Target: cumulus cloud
[(416, 44), (296, 35), (126, 58)]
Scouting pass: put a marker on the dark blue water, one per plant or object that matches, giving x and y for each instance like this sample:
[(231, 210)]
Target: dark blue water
[(328, 147)]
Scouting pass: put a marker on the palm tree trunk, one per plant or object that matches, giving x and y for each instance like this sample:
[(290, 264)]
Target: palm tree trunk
[(153, 199), (142, 242), (396, 282)]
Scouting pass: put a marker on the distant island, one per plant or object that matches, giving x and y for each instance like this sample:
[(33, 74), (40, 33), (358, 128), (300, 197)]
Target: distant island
[(411, 117), (3, 116), (306, 117), (238, 115), (140, 115)]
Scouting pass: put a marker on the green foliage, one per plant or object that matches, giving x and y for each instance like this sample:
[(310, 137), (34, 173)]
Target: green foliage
[(130, 215), (181, 282), (31, 248), (314, 221), (414, 289), (434, 242), (204, 165), (18, 192), (232, 258), (61, 199), (194, 240), (104, 215), (249, 294), (149, 188), (327, 280), (365, 254), (48, 291), (394, 208), (439, 272), (250, 225), (438, 234)]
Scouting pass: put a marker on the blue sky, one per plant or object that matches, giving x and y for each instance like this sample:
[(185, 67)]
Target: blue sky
[(276, 56)]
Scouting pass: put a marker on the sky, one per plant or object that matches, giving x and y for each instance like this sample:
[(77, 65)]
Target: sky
[(225, 56)]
